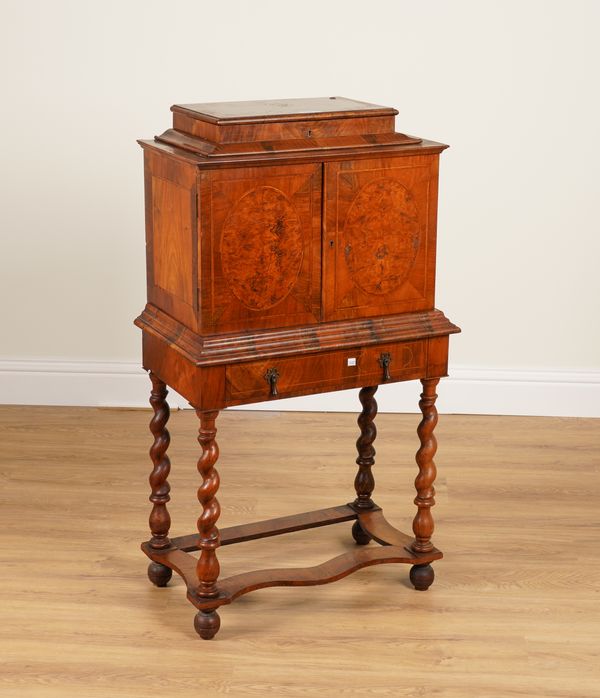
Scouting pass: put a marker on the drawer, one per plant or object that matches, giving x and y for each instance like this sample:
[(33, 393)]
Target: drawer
[(335, 370)]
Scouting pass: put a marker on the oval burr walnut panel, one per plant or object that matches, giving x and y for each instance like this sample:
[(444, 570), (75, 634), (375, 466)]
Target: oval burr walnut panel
[(381, 236), (380, 226), (261, 248)]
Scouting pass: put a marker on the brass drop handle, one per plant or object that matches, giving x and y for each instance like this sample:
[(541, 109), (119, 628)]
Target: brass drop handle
[(385, 359), (272, 376)]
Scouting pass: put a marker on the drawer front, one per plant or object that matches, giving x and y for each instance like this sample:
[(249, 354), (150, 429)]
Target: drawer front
[(286, 377)]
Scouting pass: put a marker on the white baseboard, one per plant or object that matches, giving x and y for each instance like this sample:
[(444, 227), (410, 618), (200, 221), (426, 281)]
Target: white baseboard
[(467, 390)]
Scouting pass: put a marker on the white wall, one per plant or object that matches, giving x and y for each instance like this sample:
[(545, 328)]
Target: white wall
[(512, 86)]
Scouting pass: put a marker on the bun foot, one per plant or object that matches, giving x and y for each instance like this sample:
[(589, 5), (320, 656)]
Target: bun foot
[(421, 576), (158, 574), (359, 535), (207, 624)]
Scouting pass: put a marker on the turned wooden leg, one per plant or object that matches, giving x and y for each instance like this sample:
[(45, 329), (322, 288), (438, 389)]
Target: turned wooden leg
[(364, 482), (159, 520), (207, 622), (423, 521)]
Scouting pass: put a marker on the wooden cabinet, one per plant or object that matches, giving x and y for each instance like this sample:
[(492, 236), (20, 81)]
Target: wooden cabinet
[(291, 250)]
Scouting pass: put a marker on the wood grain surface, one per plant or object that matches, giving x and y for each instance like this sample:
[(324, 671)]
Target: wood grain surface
[(380, 218), (513, 612), (260, 248)]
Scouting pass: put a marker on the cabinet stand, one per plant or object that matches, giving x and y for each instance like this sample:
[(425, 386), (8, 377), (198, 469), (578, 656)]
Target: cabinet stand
[(204, 588)]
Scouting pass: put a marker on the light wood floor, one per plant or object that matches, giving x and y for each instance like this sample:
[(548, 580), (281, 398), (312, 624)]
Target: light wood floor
[(514, 610)]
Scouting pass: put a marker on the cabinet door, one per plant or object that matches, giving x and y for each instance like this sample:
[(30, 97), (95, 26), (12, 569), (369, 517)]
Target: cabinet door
[(260, 247), (379, 244)]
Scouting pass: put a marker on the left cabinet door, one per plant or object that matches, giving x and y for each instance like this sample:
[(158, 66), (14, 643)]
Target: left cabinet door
[(260, 247)]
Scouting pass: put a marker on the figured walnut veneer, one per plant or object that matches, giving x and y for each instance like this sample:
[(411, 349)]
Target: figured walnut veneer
[(290, 251), (265, 226)]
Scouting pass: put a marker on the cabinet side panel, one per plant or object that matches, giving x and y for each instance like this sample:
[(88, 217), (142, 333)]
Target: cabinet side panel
[(172, 261), (437, 357), (171, 235), (204, 388)]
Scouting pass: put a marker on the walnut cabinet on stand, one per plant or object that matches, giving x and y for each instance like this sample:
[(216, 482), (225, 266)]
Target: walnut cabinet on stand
[(291, 250)]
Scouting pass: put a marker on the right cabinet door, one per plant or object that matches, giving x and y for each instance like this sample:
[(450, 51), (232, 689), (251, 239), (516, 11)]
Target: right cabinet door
[(379, 236)]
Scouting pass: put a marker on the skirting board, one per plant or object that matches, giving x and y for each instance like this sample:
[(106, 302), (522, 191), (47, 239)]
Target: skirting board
[(467, 390)]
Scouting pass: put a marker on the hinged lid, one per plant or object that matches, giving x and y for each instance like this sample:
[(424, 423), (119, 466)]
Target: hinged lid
[(269, 110), (257, 127)]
